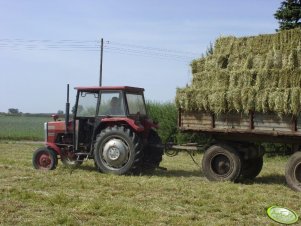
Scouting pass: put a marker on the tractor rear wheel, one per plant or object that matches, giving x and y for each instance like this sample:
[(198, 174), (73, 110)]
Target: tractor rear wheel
[(152, 152), (45, 159), (293, 171), (118, 150), (221, 163)]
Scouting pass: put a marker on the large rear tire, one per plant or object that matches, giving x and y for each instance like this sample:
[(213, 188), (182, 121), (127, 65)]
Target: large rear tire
[(118, 151), (221, 163), (44, 159), (152, 152), (293, 171)]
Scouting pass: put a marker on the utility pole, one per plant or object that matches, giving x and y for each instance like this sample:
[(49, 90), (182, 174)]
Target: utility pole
[(101, 57)]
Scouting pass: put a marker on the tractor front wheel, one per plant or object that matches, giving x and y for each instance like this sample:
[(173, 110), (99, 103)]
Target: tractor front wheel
[(118, 151), (44, 159)]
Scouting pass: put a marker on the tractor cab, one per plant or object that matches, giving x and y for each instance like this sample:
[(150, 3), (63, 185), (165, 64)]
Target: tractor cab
[(99, 107), (109, 125), (109, 101)]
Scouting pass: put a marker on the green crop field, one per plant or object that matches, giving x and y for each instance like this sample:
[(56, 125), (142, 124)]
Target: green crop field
[(22, 127), (179, 196)]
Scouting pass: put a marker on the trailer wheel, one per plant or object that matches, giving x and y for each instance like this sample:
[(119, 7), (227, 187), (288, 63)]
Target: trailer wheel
[(118, 151), (293, 171), (251, 168), (44, 159), (152, 152), (221, 163)]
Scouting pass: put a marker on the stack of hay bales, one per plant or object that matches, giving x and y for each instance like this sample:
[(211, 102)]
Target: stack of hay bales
[(260, 73)]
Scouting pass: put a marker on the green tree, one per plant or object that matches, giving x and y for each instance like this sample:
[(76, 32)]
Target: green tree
[(60, 112), (13, 111), (289, 14)]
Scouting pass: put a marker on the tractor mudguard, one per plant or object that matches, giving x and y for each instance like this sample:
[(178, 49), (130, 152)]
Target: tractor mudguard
[(53, 147), (137, 127)]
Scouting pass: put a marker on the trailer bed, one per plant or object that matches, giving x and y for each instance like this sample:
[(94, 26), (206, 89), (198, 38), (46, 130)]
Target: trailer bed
[(254, 126)]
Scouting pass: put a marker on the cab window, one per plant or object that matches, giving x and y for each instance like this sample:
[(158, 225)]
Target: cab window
[(111, 103), (135, 103), (87, 103)]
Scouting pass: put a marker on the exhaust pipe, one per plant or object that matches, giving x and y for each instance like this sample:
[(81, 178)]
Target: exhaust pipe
[(67, 111)]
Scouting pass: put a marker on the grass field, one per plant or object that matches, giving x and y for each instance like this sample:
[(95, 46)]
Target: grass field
[(178, 196), (22, 127)]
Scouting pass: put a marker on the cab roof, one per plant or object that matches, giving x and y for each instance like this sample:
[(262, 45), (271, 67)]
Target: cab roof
[(109, 88)]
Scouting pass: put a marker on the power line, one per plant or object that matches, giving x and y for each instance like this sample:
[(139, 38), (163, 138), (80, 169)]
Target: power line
[(147, 52), (146, 55), (153, 48), (90, 45)]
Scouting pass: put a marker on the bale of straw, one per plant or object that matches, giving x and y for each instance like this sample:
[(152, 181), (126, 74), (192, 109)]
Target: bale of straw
[(295, 101), (293, 61), (262, 101), (259, 73), (217, 101)]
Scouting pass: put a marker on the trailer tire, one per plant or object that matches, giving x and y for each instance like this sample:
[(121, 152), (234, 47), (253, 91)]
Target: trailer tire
[(221, 163), (152, 153), (251, 168), (118, 150), (293, 171), (44, 159)]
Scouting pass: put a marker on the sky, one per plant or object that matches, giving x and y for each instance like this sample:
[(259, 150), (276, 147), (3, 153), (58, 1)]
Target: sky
[(45, 45)]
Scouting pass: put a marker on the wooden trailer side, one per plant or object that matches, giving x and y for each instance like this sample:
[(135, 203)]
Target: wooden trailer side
[(260, 126)]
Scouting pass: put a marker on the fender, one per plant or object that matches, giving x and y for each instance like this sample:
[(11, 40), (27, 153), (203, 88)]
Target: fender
[(136, 126), (54, 147)]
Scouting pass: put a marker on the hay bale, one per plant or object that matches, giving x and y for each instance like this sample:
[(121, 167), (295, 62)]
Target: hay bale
[(217, 101), (262, 101), (277, 59), (248, 99), (269, 60), (295, 101), (222, 61), (194, 66), (259, 73), (234, 100), (249, 63), (293, 61)]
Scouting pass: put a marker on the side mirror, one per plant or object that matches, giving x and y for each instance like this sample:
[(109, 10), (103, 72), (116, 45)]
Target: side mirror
[(55, 117)]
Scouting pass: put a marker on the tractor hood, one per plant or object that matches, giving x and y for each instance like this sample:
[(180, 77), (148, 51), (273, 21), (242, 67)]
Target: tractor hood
[(54, 128)]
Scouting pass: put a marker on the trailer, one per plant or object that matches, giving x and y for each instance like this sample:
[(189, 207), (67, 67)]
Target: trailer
[(236, 151)]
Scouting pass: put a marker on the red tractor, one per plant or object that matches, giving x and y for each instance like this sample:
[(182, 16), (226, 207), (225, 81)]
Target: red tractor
[(111, 126)]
